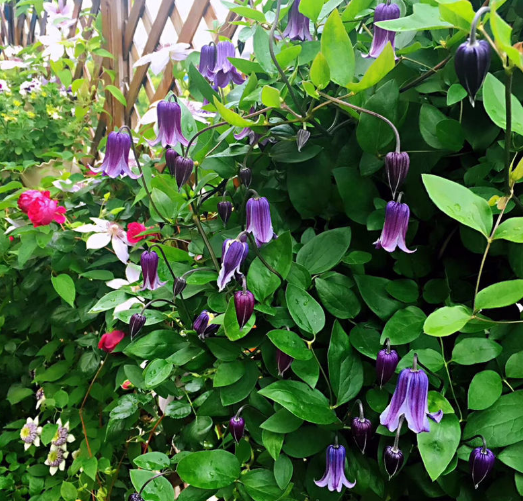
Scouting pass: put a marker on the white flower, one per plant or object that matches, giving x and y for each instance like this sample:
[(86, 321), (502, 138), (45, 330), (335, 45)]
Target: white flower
[(56, 459), (15, 224), (59, 15), (40, 397), (33, 85), (167, 52), (132, 274), (3, 86), (105, 232), (30, 433), (54, 44), (62, 435), (197, 110)]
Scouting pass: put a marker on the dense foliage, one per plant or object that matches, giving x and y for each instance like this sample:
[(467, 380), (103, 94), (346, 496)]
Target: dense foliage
[(131, 361)]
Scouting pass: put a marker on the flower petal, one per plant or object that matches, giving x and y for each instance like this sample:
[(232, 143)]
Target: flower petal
[(98, 240), (120, 249)]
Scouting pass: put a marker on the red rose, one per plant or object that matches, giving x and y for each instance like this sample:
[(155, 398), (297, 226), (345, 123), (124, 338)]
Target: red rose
[(110, 340), (43, 211), (134, 229), (30, 196)]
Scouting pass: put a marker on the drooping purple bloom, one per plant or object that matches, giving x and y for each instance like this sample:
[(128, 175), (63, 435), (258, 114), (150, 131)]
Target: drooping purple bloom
[(334, 478), (237, 427), (297, 25), (481, 464), (179, 285), (183, 167), (234, 253), (136, 323), (244, 306), (386, 364), (472, 63), (149, 262), (202, 327), (224, 210), (259, 221), (283, 361), (116, 161), (170, 160), (208, 61), (224, 71), (397, 167), (169, 125), (395, 228), (361, 429), (246, 176), (411, 399), (383, 12), (393, 460)]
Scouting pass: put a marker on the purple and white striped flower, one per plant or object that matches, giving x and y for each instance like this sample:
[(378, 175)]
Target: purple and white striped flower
[(208, 61), (224, 71), (234, 253), (395, 228), (169, 125), (202, 327), (383, 12), (259, 221), (62, 435), (244, 306), (410, 399), (116, 161), (297, 25), (149, 262), (56, 459), (30, 433), (334, 478)]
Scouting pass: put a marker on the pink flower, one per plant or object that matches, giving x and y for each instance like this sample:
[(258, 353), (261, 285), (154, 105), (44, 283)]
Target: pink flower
[(134, 229), (127, 385), (110, 340), (44, 211), (29, 196)]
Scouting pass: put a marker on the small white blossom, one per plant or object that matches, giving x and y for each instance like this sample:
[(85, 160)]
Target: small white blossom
[(62, 435), (56, 459), (167, 52), (105, 232), (30, 433)]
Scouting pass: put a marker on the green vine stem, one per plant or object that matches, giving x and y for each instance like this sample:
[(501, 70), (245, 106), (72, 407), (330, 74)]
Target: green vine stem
[(450, 379), (508, 127), (262, 259), (427, 74), (198, 223)]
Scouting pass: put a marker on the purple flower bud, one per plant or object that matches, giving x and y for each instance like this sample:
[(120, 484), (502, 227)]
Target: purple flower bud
[(224, 210), (224, 71), (237, 427), (395, 228), (246, 176), (149, 262), (472, 63), (202, 327), (183, 167), (361, 429), (334, 478), (393, 460), (244, 305), (283, 361), (481, 464), (234, 253), (397, 167), (135, 497), (297, 25), (208, 61), (170, 160), (136, 323), (179, 285), (383, 12), (169, 125), (259, 220), (302, 137), (116, 161), (386, 364)]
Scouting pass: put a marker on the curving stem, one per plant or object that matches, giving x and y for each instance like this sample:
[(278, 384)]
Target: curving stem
[(474, 24), (484, 446), (387, 345), (415, 362), (164, 258), (395, 447)]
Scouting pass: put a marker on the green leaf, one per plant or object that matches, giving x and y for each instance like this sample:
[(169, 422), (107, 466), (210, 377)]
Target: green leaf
[(117, 93), (178, 409), (282, 422), (290, 343), (337, 49), (288, 55), (320, 72), (459, 203), (405, 326), (231, 325), (64, 286), (494, 102), (377, 70), (228, 373), (304, 402), (48, 432), (230, 116), (338, 299), (17, 393), (512, 456), (157, 372), (304, 310), (511, 230), (354, 8), (438, 131), (403, 290), (261, 485), (485, 388), (455, 94), (447, 321), (514, 365), (272, 442), (345, 368), (162, 343), (459, 13), (197, 79), (127, 406), (68, 491), (283, 471), (261, 49), (500, 295), (250, 13), (424, 17), (209, 469), (236, 392), (311, 9), (474, 350), (152, 461), (325, 250), (270, 97), (159, 489), (500, 424), (109, 301), (374, 293), (438, 446)]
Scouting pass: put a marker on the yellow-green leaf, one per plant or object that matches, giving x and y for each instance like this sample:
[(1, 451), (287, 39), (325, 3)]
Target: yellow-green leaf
[(378, 69), (270, 96), (320, 73), (230, 116)]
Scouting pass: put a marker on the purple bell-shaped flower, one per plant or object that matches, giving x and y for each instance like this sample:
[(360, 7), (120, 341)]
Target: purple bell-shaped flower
[(334, 478), (224, 210), (361, 429), (393, 460), (208, 61), (183, 167), (244, 306), (169, 125), (136, 324), (234, 253), (472, 62), (259, 221), (170, 160), (481, 463), (149, 262), (297, 25), (224, 71), (383, 12), (395, 228), (237, 426), (386, 363), (116, 161), (397, 166), (202, 327)]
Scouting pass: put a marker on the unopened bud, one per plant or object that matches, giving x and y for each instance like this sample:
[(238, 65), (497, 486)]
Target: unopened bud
[(246, 176), (302, 137)]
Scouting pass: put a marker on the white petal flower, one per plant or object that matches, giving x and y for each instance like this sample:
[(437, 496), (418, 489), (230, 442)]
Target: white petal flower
[(105, 232), (159, 59)]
